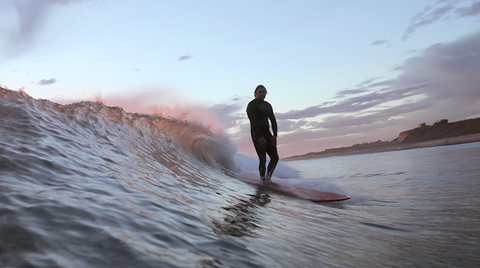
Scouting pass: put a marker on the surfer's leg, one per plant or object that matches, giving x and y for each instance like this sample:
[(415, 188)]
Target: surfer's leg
[(273, 154), (262, 164), (262, 156)]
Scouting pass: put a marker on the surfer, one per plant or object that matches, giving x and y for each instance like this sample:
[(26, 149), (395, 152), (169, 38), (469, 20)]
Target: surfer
[(259, 112)]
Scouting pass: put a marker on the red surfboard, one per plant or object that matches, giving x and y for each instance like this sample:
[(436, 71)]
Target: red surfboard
[(313, 195)]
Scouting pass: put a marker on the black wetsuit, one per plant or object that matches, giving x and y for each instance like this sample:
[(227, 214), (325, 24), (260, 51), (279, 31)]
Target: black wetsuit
[(259, 111)]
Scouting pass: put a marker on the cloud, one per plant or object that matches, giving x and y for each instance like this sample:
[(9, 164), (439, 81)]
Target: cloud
[(44, 82), (346, 92), (367, 82), (185, 57), (236, 98), (25, 19), (378, 42), (445, 73), (454, 67), (355, 104), (230, 115), (426, 17), (431, 15), (363, 87), (471, 10), (382, 83)]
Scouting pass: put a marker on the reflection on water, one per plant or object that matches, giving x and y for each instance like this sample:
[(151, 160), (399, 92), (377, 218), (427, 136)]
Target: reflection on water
[(241, 218)]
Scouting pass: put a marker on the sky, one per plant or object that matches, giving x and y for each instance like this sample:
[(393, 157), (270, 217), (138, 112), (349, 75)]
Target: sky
[(337, 73)]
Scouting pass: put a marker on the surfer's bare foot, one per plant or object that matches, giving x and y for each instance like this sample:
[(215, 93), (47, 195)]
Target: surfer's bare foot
[(267, 180)]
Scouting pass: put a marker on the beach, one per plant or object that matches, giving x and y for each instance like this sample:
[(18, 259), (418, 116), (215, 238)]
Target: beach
[(386, 147)]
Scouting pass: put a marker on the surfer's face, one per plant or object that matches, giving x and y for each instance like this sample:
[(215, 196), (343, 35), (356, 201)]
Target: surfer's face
[(260, 94)]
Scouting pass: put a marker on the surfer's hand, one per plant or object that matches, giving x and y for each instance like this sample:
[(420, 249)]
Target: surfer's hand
[(262, 142), (273, 140)]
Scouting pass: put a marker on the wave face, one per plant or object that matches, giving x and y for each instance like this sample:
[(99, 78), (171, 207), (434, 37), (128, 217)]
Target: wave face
[(86, 185)]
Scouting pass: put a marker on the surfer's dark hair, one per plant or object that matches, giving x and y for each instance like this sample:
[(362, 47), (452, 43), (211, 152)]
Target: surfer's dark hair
[(259, 87)]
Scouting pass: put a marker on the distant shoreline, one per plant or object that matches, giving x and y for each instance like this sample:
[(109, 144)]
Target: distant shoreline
[(387, 147)]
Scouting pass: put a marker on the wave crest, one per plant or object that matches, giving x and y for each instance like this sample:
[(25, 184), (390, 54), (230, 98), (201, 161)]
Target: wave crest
[(135, 132)]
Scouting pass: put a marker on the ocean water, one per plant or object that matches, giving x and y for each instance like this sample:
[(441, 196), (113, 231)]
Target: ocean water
[(85, 185)]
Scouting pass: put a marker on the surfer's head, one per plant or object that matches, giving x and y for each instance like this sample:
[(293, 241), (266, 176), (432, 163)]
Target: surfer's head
[(260, 92)]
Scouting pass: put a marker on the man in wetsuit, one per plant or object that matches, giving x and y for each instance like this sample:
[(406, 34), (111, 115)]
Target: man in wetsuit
[(259, 112)]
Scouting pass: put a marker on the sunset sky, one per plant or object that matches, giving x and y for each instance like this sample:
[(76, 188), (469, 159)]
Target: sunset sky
[(337, 72)]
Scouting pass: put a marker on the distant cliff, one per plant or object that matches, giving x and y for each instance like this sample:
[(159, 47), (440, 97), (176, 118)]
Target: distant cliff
[(440, 130), (440, 133)]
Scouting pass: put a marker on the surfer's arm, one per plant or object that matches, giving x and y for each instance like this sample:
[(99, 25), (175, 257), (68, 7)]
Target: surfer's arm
[(273, 120), (254, 128), (274, 137)]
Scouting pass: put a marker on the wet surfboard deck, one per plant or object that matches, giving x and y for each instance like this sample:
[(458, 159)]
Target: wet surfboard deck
[(309, 194)]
